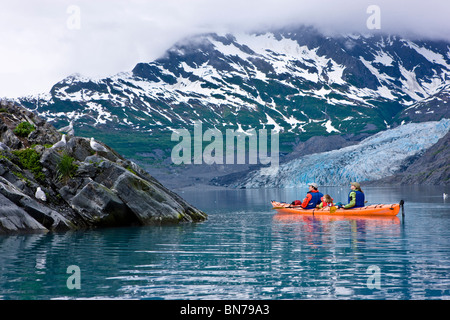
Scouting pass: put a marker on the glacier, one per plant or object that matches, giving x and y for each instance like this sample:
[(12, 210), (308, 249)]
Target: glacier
[(375, 157)]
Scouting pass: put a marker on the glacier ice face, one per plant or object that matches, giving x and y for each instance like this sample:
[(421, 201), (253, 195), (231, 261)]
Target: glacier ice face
[(378, 156)]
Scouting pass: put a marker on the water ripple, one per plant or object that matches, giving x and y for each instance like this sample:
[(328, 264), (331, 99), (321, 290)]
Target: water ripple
[(240, 254)]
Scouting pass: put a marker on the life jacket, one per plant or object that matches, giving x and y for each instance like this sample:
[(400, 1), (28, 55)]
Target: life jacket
[(326, 204), (359, 201), (315, 200)]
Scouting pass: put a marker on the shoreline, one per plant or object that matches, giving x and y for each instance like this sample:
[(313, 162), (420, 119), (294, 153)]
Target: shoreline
[(368, 184)]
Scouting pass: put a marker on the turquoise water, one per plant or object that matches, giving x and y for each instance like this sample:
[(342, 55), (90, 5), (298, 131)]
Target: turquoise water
[(245, 251)]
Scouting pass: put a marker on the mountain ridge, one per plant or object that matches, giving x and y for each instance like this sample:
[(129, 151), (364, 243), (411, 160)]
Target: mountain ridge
[(297, 81)]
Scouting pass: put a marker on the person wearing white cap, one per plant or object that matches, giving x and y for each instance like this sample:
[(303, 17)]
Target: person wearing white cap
[(312, 198)]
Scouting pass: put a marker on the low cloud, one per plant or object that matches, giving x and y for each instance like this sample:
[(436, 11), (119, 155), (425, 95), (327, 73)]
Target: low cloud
[(42, 42)]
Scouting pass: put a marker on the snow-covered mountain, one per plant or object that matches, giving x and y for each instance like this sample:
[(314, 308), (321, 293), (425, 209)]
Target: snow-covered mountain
[(379, 156), (297, 81)]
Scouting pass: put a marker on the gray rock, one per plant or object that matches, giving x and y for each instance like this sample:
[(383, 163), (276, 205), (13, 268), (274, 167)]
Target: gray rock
[(79, 148), (14, 219), (100, 190), (101, 207), (150, 203), (10, 139), (108, 173), (44, 135), (88, 169), (47, 217)]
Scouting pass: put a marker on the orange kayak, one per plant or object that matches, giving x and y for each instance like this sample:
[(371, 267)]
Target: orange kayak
[(376, 210), (369, 221)]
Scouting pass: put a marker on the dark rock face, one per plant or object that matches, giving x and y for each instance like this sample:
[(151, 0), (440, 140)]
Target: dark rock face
[(91, 190), (433, 167), (430, 168), (14, 218)]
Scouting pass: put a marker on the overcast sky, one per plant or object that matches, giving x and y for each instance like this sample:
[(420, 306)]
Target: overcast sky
[(44, 41)]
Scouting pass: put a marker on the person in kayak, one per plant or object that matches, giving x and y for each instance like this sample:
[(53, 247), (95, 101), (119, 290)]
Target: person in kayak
[(312, 198), (326, 201), (355, 197)]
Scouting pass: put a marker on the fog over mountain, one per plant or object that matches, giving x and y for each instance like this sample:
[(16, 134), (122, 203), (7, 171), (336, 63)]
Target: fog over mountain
[(45, 41)]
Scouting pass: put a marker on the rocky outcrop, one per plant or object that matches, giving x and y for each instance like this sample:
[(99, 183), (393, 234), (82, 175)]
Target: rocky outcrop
[(83, 189)]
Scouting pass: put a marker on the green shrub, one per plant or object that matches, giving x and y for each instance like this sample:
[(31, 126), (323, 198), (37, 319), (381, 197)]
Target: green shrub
[(24, 129), (66, 168), (131, 170), (29, 159)]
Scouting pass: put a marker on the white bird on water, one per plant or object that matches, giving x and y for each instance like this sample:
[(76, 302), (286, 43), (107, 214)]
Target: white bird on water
[(444, 195), (40, 194), (97, 146), (61, 143)]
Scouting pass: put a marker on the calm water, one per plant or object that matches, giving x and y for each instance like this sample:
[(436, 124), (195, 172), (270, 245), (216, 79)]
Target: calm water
[(245, 251)]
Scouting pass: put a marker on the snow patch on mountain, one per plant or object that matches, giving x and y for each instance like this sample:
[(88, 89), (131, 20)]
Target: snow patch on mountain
[(383, 58), (382, 77), (428, 54), (329, 127)]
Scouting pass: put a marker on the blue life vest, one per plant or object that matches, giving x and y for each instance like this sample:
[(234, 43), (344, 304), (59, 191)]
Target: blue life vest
[(359, 198), (315, 200)]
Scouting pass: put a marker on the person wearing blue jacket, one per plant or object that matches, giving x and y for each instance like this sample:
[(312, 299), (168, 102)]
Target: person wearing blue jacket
[(312, 199), (355, 197)]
